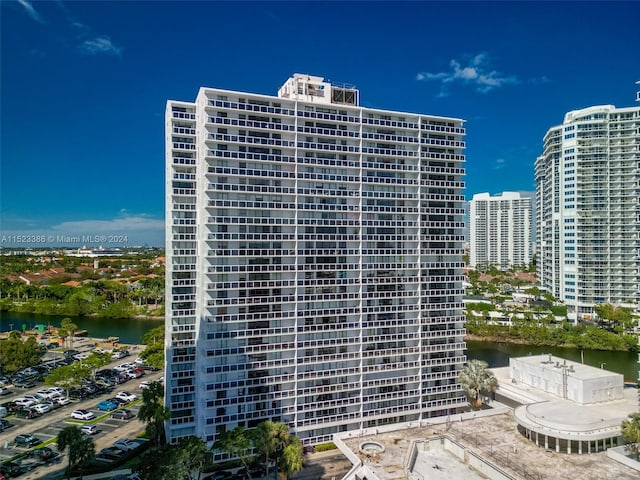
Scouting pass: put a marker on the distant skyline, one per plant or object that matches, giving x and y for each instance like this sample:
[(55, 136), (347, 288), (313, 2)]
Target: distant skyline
[(84, 86)]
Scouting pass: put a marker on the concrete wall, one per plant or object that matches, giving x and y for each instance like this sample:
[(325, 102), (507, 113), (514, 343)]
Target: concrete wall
[(620, 455)]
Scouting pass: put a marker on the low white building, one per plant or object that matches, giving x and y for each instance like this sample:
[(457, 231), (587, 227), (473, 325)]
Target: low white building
[(582, 384)]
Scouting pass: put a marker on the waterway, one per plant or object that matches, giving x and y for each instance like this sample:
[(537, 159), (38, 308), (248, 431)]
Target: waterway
[(130, 330), (495, 354)]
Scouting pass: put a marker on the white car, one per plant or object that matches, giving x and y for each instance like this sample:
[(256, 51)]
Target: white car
[(81, 356), (144, 385), (42, 408), (62, 401), (46, 394), (34, 397), (126, 396), (89, 429), (82, 415), (125, 444), (56, 391), (24, 402)]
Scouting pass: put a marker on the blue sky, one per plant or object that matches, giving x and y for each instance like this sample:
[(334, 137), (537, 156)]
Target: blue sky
[(84, 86)]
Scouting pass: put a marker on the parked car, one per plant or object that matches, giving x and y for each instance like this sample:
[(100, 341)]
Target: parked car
[(4, 381), (107, 405), (81, 356), (28, 413), (144, 385), (4, 391), (11, 407), (46, 393), (82, 415), (56, 391), (34, 397), (70, 353), (126, 396), (118, 354), (28, 382), (27, 440), (12, 469), (42, 408), (122, 414), (111, 453), (89, 429), (24, 402), (125, 444), (44, 454), (119, 401), (62, 401)]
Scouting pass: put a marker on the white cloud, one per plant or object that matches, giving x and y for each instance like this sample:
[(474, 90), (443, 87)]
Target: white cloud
[(100, 45), (499, 164), (31, 11), (123, 231), (476, 72)]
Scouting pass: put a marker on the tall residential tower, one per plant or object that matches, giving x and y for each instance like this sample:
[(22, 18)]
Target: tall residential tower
[(500, 230), (588, 208), (314, 259)]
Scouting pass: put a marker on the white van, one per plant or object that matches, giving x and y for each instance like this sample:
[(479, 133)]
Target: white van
[(3, 412)]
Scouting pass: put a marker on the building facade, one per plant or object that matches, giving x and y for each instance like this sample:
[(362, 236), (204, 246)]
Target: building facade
[(588, 208), (500, 230), (314, 262)]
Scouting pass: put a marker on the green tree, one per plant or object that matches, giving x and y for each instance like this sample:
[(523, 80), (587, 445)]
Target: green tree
[(269, 438), (292, 457), (476, 377), (67, 330), (81, 449), (161, 463), (237, 444), (154, 413), (195, 456), (631, 433), (16, 354), (154, 351), (68, 376), (613, 317)]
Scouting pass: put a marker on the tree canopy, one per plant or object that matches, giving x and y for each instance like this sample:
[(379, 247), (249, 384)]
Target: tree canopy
[(475, 377), (631, 433)]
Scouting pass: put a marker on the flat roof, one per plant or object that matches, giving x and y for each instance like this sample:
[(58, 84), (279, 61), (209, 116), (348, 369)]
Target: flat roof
[(580, 370)]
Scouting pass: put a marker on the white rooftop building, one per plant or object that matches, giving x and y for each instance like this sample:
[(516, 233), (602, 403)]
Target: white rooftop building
[(314, 262)]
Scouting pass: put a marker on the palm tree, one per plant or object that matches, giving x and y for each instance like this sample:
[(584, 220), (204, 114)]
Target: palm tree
[(270, 438), (476, 377), (154, 413), (631, 433), (67, 329), (292, 457), (81, 449)]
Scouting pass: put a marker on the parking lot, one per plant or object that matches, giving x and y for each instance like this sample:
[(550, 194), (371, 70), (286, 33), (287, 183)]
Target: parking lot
[(48, 425)]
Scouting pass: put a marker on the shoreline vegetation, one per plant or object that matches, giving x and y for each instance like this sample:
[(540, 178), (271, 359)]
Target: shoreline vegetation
[(563, 335)]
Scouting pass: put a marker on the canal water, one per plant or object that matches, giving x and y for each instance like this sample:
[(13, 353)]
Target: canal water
[(495, 354), (130, 330)]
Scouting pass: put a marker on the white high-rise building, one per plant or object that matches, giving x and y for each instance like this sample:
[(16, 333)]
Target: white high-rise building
[(500, 230), (314, 262), (588, 208)]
